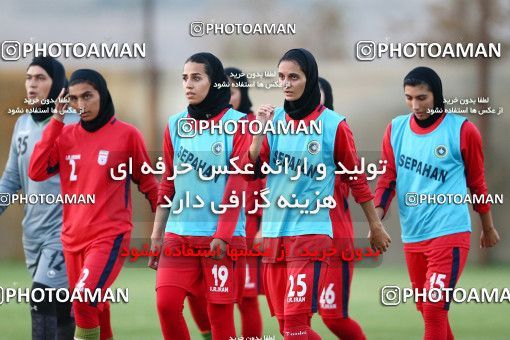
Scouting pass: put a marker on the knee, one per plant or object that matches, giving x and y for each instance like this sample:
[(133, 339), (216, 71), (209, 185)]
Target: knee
[(220, 312), (42, 303), (167, 304), (419, 306), (249, 304), (64, 313), (86, 315), (281, 325), (329, 322)]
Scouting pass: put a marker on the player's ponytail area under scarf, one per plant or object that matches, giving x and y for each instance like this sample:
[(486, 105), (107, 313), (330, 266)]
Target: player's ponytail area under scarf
[(327, 92), (106, 108), (240, 82)]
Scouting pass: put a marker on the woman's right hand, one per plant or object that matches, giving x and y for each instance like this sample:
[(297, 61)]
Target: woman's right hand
[(60, 106), (156, 247), (265, 113)]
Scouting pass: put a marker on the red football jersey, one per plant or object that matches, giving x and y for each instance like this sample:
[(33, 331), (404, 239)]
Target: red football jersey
[(84, 160)]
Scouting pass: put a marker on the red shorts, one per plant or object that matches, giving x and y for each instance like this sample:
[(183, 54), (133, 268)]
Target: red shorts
[(437, 263), (293, 287), (221, 280), (253, 285), (334, 298), (95, 267)]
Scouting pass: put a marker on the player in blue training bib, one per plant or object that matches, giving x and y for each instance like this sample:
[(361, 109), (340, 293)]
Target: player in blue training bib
[(185, 265), (433, 157), (298, 227)]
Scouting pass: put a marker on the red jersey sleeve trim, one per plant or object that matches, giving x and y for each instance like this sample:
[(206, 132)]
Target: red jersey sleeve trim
[(385, 188), (345, 152), (472, 154), (166, 187)]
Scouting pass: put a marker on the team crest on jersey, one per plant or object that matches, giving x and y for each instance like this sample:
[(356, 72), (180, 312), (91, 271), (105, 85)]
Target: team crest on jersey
[(217, 148), (314, 147), (441, 151), (102, 157)]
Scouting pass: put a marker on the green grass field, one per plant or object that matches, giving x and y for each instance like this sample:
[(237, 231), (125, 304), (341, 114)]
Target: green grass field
[(138, 318)]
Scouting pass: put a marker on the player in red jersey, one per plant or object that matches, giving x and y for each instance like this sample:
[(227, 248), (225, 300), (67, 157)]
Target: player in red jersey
[(83, 154), (334, 300), (251, 319)]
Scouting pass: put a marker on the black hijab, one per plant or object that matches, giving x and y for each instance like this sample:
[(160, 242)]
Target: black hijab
[(430, 77), (216, 99), (58, 81), (311, 98), (106, 109), (242, 85), (328, 93)]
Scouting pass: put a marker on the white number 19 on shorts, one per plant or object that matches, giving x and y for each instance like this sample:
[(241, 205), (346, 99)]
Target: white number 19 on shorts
[(220, 273)]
